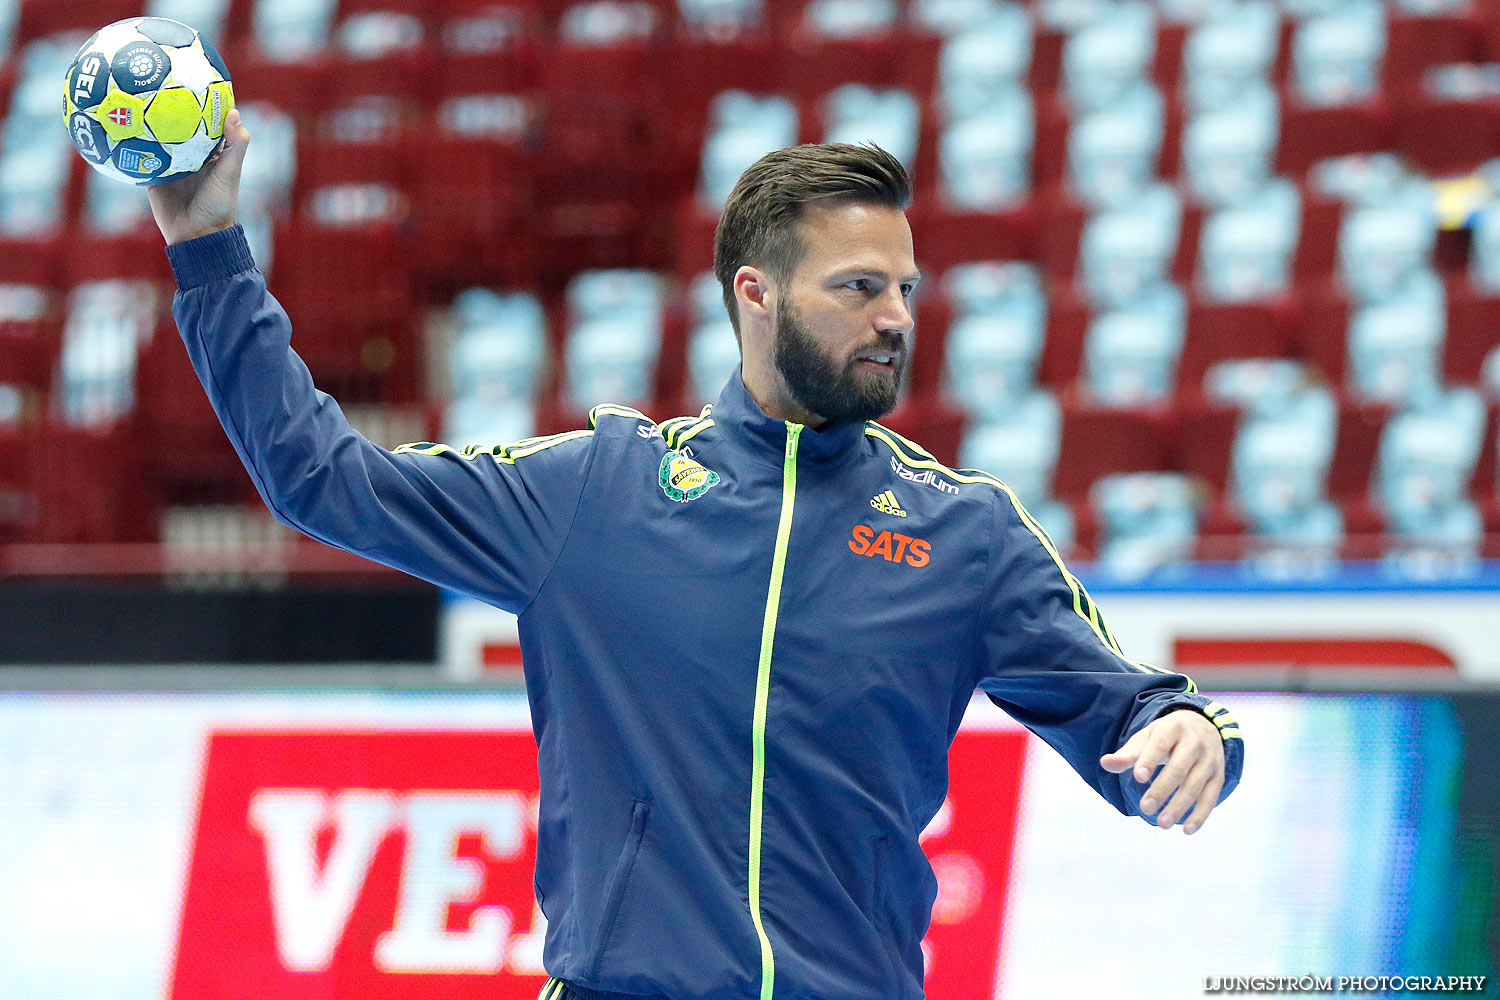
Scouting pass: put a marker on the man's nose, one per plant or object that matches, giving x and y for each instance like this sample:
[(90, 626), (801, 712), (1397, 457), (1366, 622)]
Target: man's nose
[(895, 312)]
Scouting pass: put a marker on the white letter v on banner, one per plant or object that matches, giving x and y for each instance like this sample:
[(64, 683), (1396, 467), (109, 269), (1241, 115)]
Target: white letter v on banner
[(311, 908)]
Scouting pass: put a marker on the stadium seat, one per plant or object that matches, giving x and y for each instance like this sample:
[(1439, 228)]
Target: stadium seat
[(1336, 57), (1139, 440), (1382, 251), (286, 31), (1222, 331), (1125, 253), (1227, 154), (208, 16), (1131, 353), (1279, 471), (890, 119), (1021, 449), (1149, 520), (1112, 154), (1426, 461), (992, 360), (985, 159), (950, 18), (1228, 54), (30, 335), (741, 129), (1245, 253), (1395, 350), (977, 64), (496, 360), (1108, 58)]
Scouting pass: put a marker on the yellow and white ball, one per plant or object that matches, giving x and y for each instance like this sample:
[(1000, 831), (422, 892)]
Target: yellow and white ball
[(146, 100)]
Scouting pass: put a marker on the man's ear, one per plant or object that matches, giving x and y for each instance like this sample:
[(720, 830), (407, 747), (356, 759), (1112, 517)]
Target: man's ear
[(752, 292)]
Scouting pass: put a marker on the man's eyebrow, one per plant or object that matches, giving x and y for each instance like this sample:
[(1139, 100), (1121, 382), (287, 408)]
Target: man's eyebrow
[(878, 272)]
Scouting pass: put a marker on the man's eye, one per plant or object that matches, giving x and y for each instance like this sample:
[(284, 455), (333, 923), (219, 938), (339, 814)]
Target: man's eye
[(858, 284), (906, 291)]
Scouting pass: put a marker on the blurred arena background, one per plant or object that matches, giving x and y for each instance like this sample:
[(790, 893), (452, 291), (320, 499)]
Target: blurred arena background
[(1214, 284)]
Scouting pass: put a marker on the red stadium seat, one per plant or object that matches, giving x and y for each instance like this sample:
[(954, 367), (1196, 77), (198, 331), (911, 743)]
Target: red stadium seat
[(1354, 454), (1413, 44), (1447, 137), (28, 351), (88, 486), (1098, 442), (1068, 318), (1473, 330), (34, 260), (1310, 134), (40, 18), (1205, 440), (1318, 249), (1216, 331), (944, 237), (1325, 326), (301, 87)]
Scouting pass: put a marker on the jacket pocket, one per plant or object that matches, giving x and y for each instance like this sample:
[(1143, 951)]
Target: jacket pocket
[(619, 882)]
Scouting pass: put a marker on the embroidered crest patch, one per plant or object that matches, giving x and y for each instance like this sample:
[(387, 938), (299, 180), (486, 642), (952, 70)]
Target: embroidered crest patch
[(683, 479)]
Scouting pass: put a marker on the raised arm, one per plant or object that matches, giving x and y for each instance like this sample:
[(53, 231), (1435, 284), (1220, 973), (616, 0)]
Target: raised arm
[(488, 522)]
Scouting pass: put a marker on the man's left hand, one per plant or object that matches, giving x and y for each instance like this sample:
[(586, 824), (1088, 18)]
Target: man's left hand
[(1190, 744)]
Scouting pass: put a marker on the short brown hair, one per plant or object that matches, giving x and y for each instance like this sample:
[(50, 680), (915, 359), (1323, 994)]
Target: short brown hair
[(759, 223)]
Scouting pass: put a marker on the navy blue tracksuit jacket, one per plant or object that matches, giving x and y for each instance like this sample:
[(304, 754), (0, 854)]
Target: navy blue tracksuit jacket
[(747, 643)]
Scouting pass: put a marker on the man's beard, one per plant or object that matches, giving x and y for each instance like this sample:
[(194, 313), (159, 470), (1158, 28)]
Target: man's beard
[(820, 383)]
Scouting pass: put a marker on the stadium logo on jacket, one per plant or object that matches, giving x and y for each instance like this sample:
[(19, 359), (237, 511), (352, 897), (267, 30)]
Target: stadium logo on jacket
[(683, 479), (928, 478)]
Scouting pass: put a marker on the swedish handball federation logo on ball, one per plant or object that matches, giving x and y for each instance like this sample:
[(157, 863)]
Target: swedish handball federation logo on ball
[(683, 479)]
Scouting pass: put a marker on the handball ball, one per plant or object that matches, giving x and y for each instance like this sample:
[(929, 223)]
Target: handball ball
[(146, 100)]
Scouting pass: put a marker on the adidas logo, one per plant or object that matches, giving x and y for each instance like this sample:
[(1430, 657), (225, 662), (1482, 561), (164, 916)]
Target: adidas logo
[(887, 503)]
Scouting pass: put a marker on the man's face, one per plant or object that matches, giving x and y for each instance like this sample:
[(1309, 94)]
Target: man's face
[(843, 320)]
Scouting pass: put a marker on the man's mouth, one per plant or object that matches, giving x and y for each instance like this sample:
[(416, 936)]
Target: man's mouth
[(880, 359)]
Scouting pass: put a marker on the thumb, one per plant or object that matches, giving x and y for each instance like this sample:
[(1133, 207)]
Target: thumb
[(231, 158), (1123, 758)]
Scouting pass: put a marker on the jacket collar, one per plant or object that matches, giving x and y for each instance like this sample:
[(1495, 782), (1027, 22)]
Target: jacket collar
[(737, 414)]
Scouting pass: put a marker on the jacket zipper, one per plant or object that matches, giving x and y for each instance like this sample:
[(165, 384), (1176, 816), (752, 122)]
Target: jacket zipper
[(762, 695)]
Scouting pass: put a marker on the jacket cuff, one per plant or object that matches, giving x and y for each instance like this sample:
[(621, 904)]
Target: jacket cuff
[(214, 257), (1229, 734)]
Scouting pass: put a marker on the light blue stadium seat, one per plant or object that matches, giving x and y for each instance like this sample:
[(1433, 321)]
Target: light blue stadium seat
[(993, 286), (1279, 475), (1123, 253), (1130, 354), (376, 33), (608, 22), (1192, 12), (984, 160), (617, 294), (1489, 374), (1112, 154), (291, 30), (1148, 520), (10, 13), (1371, 180), (1245, 253), (742, 128), (888, 118), (205, 15), (1109, 56), (1426, 459), (991, 361), (1396, 348), (610, 359), (1021, 449), (712, 357), (983, 61), (1484, 260), (1382, 250), (1227, 154), (1276, 389), (1231, 51), (847, 19), (496, 356), (35, 154), (952, 18), (723, 19), (108, 322), (1336, 56)]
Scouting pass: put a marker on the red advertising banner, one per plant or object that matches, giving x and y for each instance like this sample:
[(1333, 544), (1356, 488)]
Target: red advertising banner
[(398, 864)]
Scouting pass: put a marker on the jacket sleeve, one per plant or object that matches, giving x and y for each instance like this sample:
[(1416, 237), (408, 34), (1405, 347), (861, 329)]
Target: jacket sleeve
[(1050, 661), (489, 523)]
